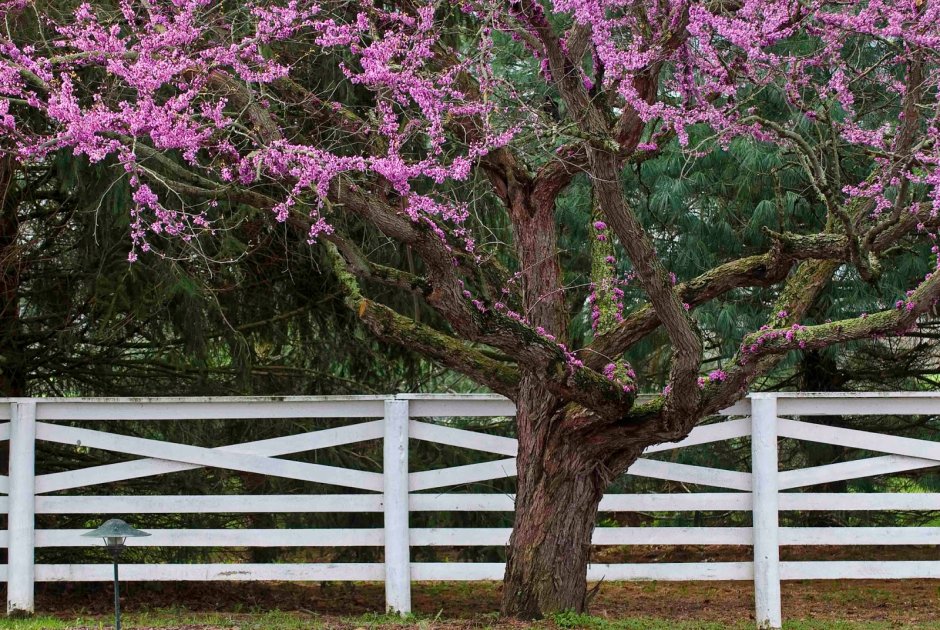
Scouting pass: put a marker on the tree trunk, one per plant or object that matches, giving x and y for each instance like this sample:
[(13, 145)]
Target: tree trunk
[(546, 568), (556, 508)]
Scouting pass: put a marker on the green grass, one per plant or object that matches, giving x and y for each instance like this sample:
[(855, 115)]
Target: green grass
[(170, 618)]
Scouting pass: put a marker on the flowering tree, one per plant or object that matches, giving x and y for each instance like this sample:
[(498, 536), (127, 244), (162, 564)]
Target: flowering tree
[(213, 109)]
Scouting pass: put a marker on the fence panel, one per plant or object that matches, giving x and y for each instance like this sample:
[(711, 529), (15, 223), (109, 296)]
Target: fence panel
[(398, 491)]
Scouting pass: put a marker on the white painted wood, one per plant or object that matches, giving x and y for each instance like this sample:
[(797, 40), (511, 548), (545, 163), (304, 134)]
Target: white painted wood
[(461, 502), (765, 512), (860, 570), (868, 467), (259, 456), (859, 439), (225, 538), (717, 432), (210, 457), (459, 475), (860, 536), (94, 475), (462, 438), (426, 502), (458, 405), (21, 521), (352, 571), (701, 475), (826, 501), (696, 501), (448, 396), (235, 504), (397, 542), (4, 484), (499, 537), (210, 504), (672, 536), (210, 409), (454, 571), (477, 571), (836, 395), (740, 408), (672, 572), (699, 501), (457, 571), (460, 536), (854, 404)]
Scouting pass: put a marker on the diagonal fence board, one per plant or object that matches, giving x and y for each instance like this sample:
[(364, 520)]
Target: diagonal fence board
[(868, 467), (94, 475), (499, 445), (459, 475), (472, 473), (706, 434), (868, 441), (199, 456), (462, 438), (701, 475)]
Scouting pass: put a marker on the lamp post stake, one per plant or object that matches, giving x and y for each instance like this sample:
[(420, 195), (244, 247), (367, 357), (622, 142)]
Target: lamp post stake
[(115, 532), (117, 595)]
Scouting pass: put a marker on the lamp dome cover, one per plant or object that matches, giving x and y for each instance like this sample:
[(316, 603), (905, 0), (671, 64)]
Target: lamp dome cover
[(115, 528)]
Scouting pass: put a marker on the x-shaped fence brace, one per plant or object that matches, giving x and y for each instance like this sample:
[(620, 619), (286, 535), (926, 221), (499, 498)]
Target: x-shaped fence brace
[(262, 456)]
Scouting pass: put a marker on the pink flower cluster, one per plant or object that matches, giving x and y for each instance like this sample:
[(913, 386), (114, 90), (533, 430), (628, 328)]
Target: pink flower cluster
[(767, 334), (623, 374), (715, 376), (174, 67)]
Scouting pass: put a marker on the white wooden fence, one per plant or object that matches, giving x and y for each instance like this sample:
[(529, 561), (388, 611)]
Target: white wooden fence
[(396, 420)]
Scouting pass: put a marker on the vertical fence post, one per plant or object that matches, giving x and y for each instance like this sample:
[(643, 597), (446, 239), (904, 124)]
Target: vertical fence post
[(765, 488), (397, 538), (22, 505)]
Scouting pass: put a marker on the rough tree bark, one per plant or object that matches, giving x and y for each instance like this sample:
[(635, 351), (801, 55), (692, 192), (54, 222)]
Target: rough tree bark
[(557, 497)]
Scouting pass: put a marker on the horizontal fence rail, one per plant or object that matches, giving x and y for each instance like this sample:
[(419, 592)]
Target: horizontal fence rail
[(398, 491)]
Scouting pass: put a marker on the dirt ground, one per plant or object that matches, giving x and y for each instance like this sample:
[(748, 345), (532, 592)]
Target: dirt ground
[(468, 604), (454, 605)]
